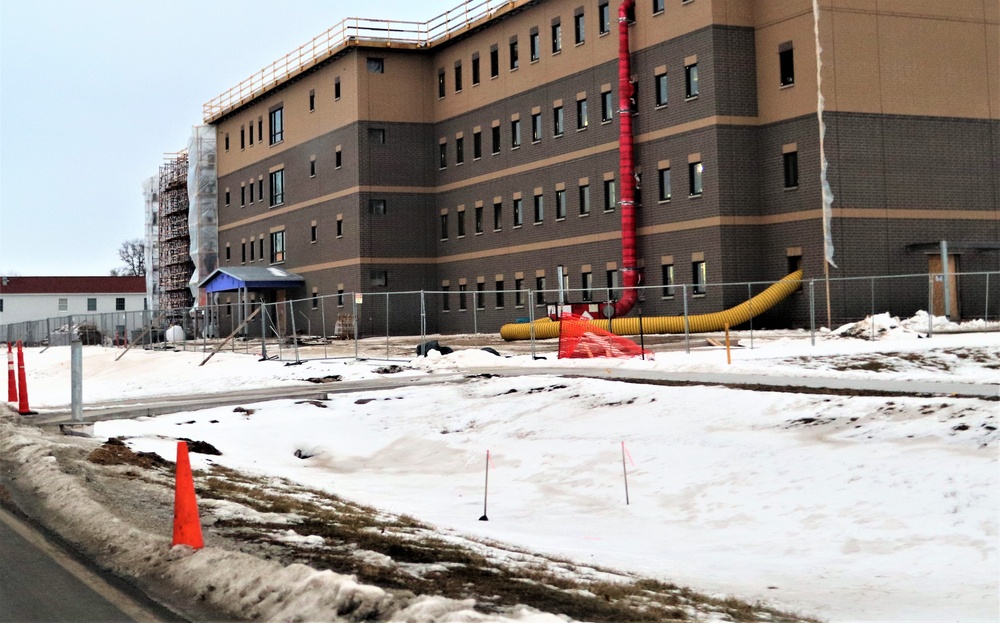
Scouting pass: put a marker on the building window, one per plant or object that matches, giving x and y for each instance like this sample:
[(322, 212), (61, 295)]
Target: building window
[(539, 291), (251, 135), (691, 81), (513, 53), (376, 65), (312, 233), (243, 195), (251, 192), (534, 47), (519, 293), (312, 168), (461, 224), (791, 169), (260, 187), (278, 187), (695, 171), (578, 29), (376, 135), (441, 82), (786, 60), (612, 276), (560, 204), (794, 264), (312, 101), (445, 298), (458, 77), (227, 141), (699, 277), (477, 145), (587, 285), (261, 243), (227, 198), (494, 61), (243, 137), (609, 195), (664, 184), (556, 38), (277, 247), (338, 159), (63, 304), (557, 120), (539, 208), (380, 278), (459, 150), (442, 155), (336, 89), (480, 296), (340, 297), (661, 90), (243, 252), (277, 126), (603, 19), (119, 303), (377, 206), (315, 300), (228, 252), (668, 281), (444, 226), (515, 134), (496, 140), (497, 216), (584, 199), (461, 297), (581, 114), (475, 70), (479, 219), (340, 226), (657, 6), (499, 292), (536, 127), (91, 304), (253, 251), (518, 212), (606, 114)]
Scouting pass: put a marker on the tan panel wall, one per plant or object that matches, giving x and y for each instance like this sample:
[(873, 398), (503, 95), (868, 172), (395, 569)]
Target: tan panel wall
[(910, 58), (300, 125), (774, 101), (733, 12), (402, 93)]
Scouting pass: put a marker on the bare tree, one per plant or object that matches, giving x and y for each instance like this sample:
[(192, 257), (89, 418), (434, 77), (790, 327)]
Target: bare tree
[(133, 253)]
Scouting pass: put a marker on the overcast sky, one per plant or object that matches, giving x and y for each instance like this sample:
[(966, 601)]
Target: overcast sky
[(92, 94)]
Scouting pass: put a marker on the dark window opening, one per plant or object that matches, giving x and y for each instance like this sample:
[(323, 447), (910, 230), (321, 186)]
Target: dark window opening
[(477, 145), (459, 150), (513, 55), (668, 281), (277, 187), (376, 65), (377, 206), (787, 62), (791, 162), (699, 277), (695, 171), (691, 81), (277, 126)]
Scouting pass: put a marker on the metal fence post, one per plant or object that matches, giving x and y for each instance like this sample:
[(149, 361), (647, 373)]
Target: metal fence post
[(750, 301), (295, 333), (263, 329), (687, 328), (354, 321), (76, 378), (531, 322), (812, 311), (322, 317), (930, 305), (986, 306), (873, 308), (475, 317), (386, 325), (423, 318)]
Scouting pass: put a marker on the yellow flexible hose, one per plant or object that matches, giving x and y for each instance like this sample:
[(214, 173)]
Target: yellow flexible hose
[(715, 321)]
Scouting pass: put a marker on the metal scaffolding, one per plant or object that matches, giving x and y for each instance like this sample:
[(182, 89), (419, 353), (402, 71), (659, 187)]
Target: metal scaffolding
[(176, 266)]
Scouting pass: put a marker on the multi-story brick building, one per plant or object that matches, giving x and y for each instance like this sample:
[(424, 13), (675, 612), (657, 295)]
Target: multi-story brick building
[(480, 152)]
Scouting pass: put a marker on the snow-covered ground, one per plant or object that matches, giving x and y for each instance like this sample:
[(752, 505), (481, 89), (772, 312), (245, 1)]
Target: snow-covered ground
[(848, 508)]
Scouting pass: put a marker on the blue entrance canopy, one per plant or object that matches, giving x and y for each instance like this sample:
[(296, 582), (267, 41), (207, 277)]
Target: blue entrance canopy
[(250, 278)]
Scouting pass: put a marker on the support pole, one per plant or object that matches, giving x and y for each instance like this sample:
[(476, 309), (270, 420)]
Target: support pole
[(625, 472), (76, 379), (812, 311), (486, 487), (947, 279), (729, 357)]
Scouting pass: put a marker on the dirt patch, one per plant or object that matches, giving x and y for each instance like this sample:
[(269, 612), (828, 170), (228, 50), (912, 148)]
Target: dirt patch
[(115, 452), (330, 378), (201, 447), (315, 403), (243, 410), (393, 369)]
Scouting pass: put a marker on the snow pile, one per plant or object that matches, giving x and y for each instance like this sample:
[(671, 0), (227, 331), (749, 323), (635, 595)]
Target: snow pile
[(239, 584), (881, 326)]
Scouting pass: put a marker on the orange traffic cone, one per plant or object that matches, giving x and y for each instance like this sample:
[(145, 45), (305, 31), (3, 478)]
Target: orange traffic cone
[(22, 384), (187, 526), (11, 378)]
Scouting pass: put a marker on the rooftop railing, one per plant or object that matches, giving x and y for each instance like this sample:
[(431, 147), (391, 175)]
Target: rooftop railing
[(353, 31)]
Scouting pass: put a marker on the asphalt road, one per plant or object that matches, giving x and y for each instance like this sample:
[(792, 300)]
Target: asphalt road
[(41, 582)]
